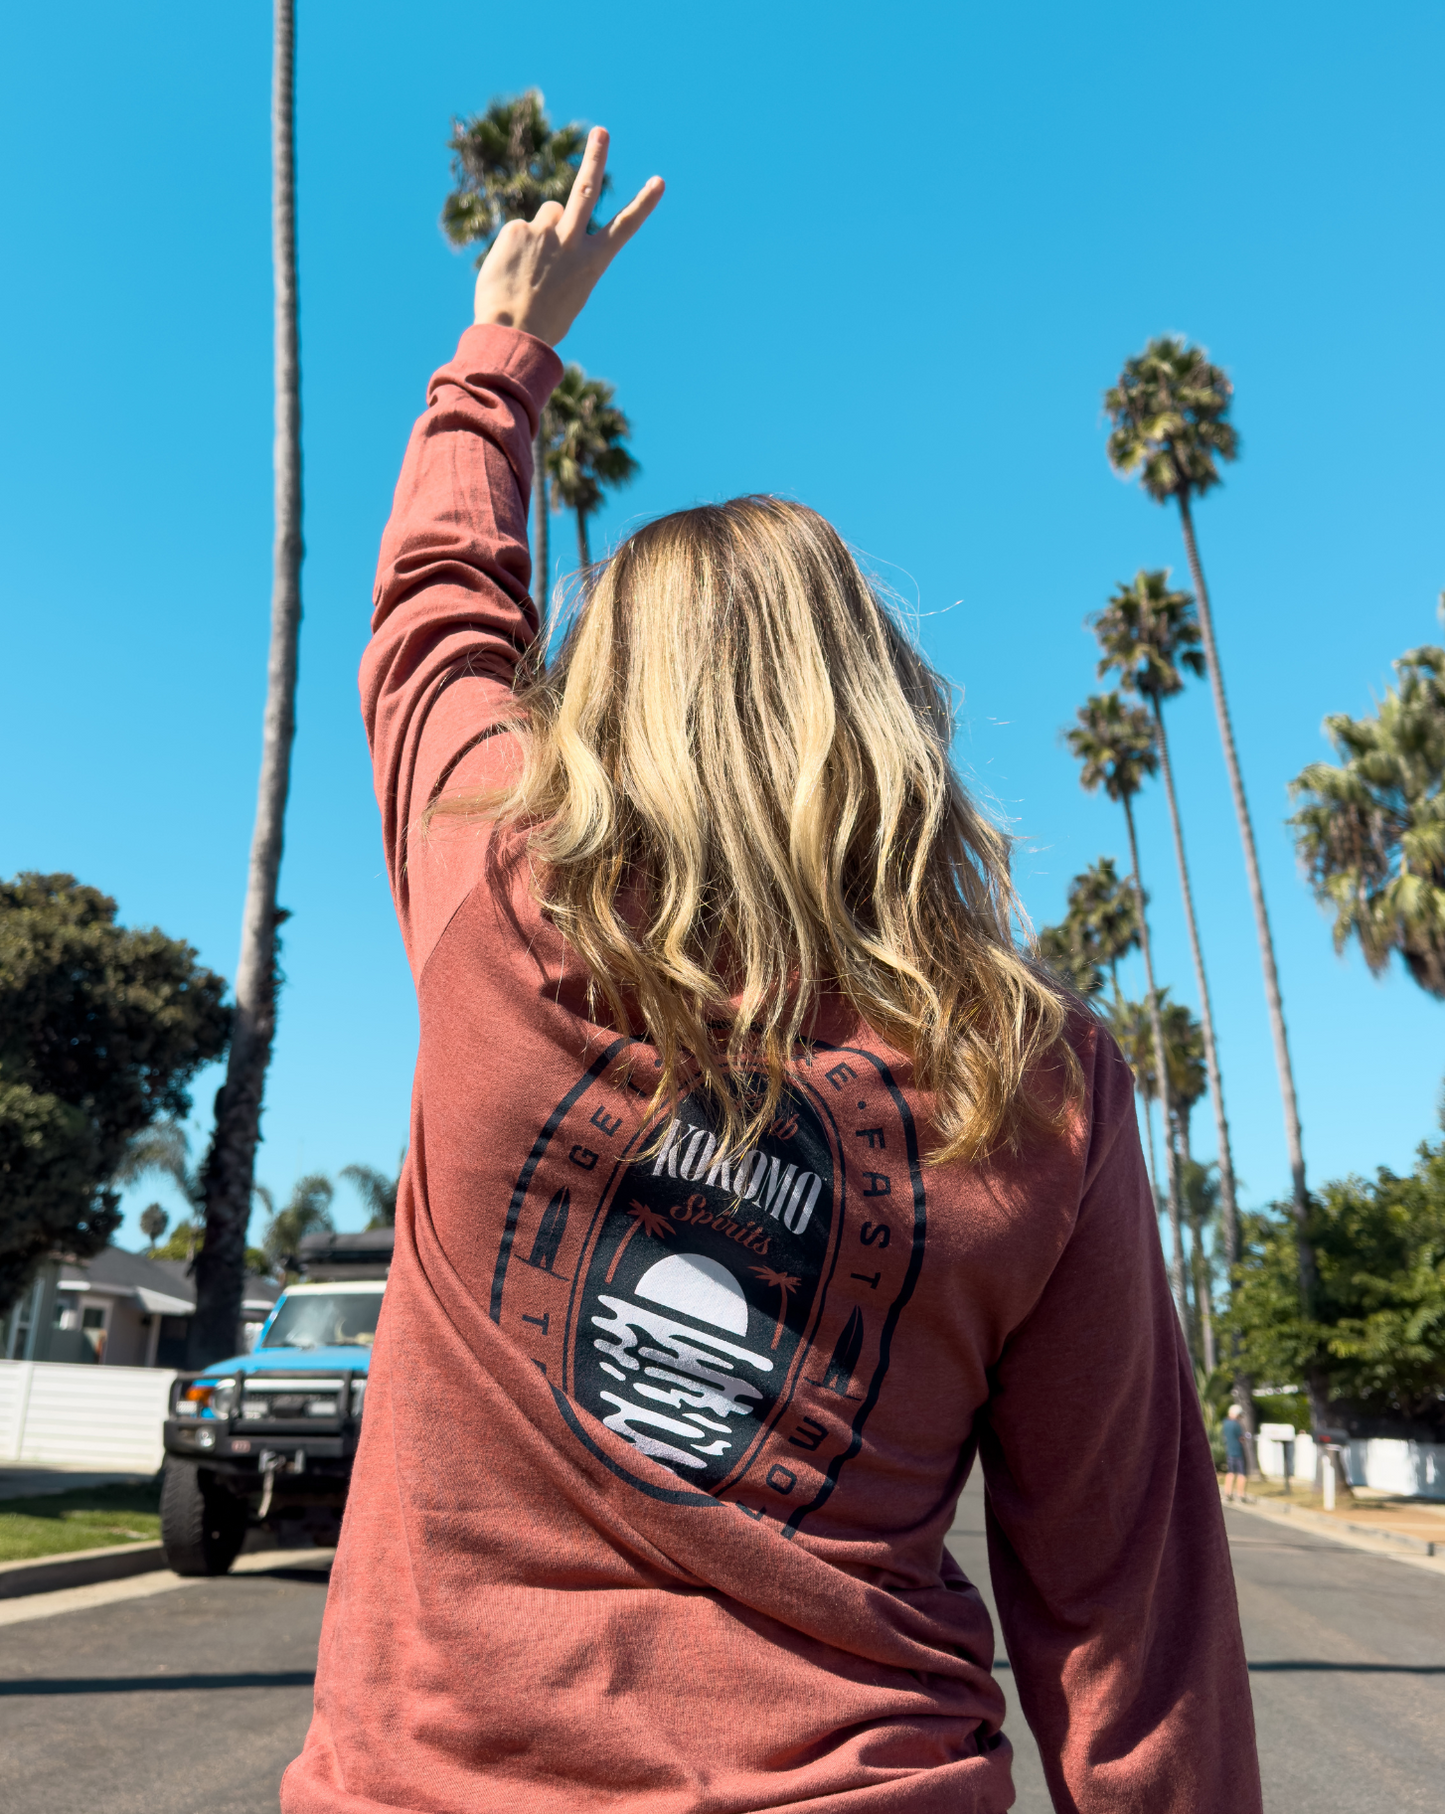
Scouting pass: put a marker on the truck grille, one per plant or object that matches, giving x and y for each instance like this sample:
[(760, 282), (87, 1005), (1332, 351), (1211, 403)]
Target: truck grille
[(288, 1400)]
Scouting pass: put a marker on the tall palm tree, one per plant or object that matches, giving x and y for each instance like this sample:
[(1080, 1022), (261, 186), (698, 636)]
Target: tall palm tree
[(378, 1190), (1066, 950), (307, 1213), (1115, 744), (506, 162), (1188, 1082), (584, 432), (1131, 1024), (1170, 412), (1100, 926), (1149, 632), (228, 1177), (1371, 832), (1107, 905)]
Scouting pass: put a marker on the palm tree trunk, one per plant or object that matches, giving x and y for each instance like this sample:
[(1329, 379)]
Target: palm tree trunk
[(1203, 1291), (1153, 1156), (230, 1164), (1186, 1225), (1204, 1297), (542, 573), (1156, 1026), (584, 550), (1229, 1214), (1308, 1269)]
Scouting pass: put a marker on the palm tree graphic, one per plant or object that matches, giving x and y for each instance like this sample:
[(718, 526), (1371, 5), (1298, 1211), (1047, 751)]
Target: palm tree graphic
[(784, 1284), (652, 1220)]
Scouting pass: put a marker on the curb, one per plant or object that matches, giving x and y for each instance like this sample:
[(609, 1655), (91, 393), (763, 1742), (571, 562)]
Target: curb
[(1322, 1521), (81, 1568), (1364, 1538)]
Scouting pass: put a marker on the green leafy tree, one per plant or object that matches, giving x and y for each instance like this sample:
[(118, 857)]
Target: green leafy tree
[(228, 1175), (101, 1029), (506, 163), (1171, 427), (1377, 1334), (584, 433), (377, 1190), (1371, 831), (1149, 637), (153, 1224), (1115, 745), (306, 1212)]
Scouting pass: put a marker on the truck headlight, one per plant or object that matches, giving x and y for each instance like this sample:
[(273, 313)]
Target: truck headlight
[(358, 1396), (207, 1398)]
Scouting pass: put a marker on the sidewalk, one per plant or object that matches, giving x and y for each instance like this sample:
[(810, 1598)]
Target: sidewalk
[(32, 1483)]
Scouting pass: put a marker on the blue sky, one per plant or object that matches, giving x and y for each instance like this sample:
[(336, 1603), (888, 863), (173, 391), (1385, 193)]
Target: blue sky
[(902, 253)]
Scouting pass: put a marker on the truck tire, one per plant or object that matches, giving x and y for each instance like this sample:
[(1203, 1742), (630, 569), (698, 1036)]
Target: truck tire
[(202, 1527)]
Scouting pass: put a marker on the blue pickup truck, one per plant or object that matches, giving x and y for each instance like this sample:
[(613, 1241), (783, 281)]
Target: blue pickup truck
[(268, 1438)]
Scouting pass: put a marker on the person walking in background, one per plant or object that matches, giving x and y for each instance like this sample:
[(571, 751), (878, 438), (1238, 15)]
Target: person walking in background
[(1236, 1465), (759, 1186)]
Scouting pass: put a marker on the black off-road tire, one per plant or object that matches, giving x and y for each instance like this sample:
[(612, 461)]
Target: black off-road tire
[(202, 1525)]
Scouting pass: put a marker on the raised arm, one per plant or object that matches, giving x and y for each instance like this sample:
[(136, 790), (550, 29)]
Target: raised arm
[(453, 614), (1106, 1538)]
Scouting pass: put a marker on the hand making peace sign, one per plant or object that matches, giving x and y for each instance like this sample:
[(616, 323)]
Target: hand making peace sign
[(539, 273)]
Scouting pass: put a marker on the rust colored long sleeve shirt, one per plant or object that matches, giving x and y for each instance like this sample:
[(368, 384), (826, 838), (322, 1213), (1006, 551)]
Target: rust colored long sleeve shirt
[(660, 1452)]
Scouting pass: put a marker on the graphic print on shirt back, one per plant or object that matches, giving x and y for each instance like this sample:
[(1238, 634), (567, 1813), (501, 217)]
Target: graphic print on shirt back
[(701, 1288), (729, 1319)]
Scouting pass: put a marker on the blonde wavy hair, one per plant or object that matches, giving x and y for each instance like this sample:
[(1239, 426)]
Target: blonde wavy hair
[(736, 794)]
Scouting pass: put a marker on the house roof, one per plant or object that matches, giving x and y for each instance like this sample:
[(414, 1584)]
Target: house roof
[(163, 1287)]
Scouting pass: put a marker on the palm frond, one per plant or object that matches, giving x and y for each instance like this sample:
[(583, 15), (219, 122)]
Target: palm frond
[(506, 163), (1170, 411), (1115, 744), (1370, 830)]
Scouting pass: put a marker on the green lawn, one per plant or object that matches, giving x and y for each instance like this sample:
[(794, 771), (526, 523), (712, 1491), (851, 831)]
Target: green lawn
[(85, 1518)]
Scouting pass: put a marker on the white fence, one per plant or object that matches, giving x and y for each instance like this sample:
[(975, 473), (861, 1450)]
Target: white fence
[(106, 1418), (1389, 1464), (109, 1419), (1416, 1469)]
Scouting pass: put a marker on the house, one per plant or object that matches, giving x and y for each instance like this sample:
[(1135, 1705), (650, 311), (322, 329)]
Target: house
[(118, 1309)]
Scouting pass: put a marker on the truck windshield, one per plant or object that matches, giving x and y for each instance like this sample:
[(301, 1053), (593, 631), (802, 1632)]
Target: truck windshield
[(322, 1319)]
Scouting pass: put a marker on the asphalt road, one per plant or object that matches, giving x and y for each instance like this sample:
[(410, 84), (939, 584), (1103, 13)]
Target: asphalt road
[(1347, 1663), (186, 1702), (196, 1699)]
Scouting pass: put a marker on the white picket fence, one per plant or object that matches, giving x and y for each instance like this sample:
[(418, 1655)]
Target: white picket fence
[(106, 1418)]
